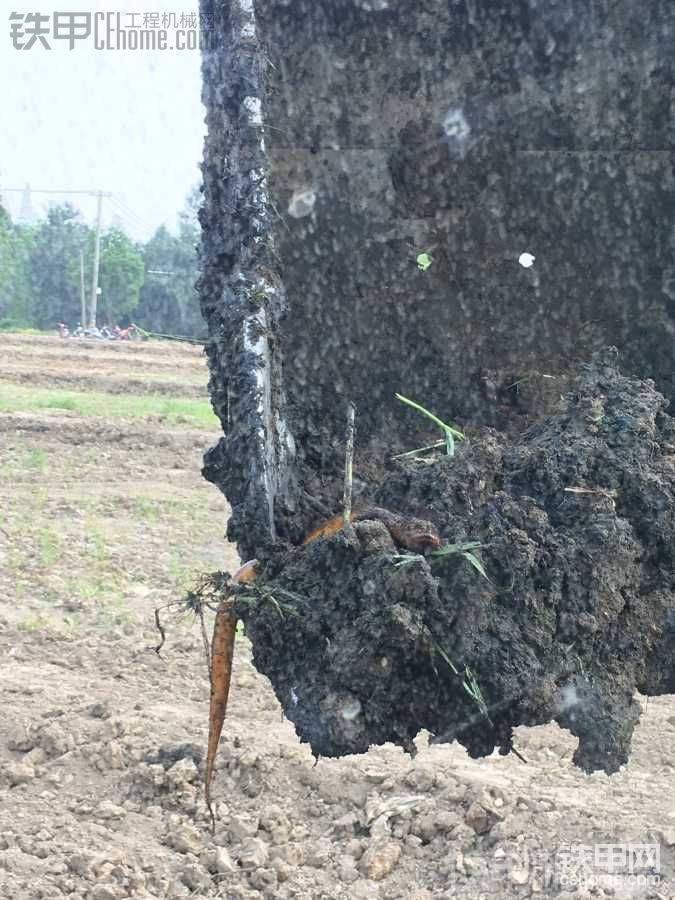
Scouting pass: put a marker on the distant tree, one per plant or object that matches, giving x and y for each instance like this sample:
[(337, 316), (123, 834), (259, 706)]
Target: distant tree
[(6, 264), (187, 265), (158, 309), (54, 262), (40, 272), (169, 302), (23, 291), (15, 272), (121, 275)]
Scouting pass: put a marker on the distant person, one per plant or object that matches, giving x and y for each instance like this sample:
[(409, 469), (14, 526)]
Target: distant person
[(125, 334)]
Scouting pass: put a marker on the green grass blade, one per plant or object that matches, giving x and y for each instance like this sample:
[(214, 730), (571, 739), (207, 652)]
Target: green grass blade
[(404, 559), (446, 428), (476, 563), (452, 549), (471, 686), (433, 446), (464, 549), (446, 658)]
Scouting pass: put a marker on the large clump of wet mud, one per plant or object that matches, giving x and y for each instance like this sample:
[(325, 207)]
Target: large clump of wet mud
[(365, 643)]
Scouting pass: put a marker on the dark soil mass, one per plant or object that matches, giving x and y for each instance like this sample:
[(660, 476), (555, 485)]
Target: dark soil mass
[(346, 141), (575, 521)]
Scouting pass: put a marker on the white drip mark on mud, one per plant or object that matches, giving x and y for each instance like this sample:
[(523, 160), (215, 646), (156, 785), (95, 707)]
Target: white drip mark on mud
[(457, 131), (256, 327), (568, 698), (254, 109), (350, 709), (248, 24), (373, 5), (257, 324)]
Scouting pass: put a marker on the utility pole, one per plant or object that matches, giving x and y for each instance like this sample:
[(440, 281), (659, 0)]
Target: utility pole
[(27, 213), (97, 254), (83, 303)]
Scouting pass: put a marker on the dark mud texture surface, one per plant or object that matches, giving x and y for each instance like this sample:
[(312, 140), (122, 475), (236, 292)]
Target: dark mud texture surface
[(471, 132), (575, 519)]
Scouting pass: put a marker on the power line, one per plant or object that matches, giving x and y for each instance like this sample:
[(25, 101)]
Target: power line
[(128, 213), (32, 190), (131, 223), (138, 222)]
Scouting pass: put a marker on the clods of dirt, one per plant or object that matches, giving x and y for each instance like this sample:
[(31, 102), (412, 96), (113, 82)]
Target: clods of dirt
[(564, 608)]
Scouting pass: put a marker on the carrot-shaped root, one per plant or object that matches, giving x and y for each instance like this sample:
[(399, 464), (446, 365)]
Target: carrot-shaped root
[(222, 648), (222, 651)]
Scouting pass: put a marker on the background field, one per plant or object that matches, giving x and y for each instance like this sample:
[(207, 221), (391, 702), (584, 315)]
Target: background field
[(104, 516)]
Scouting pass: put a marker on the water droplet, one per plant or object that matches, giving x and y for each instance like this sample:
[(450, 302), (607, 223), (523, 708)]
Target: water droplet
[(455, 124), (457, 131), (302, 203), (350, 710)]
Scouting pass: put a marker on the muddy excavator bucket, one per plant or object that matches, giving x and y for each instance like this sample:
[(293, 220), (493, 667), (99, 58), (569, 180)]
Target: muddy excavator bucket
[(459, 203)]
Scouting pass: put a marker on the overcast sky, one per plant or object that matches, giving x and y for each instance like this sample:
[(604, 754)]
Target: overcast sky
[(129, 122)]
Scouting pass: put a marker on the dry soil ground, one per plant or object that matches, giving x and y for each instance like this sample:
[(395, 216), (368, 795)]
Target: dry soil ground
[(105, 516)]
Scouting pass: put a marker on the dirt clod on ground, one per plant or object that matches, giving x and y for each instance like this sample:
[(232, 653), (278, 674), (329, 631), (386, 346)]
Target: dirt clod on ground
[(576, 529)]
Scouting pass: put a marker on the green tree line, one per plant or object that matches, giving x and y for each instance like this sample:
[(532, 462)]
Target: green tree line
[(40, 273)]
